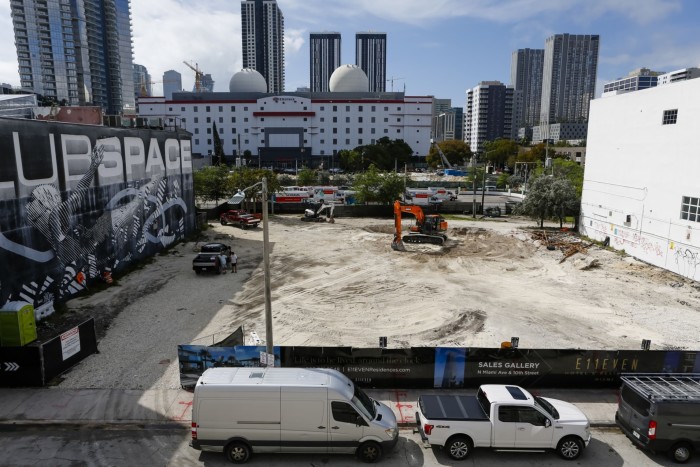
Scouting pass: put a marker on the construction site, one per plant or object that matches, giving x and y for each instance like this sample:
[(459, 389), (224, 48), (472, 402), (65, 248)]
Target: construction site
[(342, 284)]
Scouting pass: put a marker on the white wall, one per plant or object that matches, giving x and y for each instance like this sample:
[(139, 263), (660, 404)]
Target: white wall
[(637, 167)]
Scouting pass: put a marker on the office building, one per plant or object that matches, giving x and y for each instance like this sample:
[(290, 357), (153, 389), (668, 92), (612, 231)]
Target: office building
[(526, 78), (641, 78), (172, 82), (142, 81), (262, 26), (206, 84), (449, 125), (370, 55), (324, 59), (76, 52), (568, 77), (489, 114), (440, 106)]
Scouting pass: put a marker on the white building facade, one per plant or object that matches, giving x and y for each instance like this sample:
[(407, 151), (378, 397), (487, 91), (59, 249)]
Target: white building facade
[(640, 185), (283, 129)]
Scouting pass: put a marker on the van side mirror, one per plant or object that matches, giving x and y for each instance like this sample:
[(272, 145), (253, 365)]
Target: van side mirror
[(359, 421), (547, 423)]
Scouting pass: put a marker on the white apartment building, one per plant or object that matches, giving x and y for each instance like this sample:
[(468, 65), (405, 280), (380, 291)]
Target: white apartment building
[(640, 186), (291, 128)]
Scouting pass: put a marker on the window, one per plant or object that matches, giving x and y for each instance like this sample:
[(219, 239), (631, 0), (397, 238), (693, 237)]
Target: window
[(398, 130), (262, 108), (208, 131), (221, 108), (182, 109), (398, 120), (398, 109), (386, 119), (233, 130), (233, 119), (690, 209), (335, 108), (245, 119), (347, 131), (304, 107), (386, 130), (209, 141), (347, 142), (208, 119), (507, 414), (359, 141), (374, 119), (245, 109), (170, 109), (196, 108), (196, 131), (233, 108), (347, 119), (245, 130), (196, 119), (347, 108), (323, 130), (262, 119), (323, 141), (359, 119), (196, 141), (335, 141), (335, 131), (374, 108), (323, 108), (221, 119), (323, 119), (359, 130), (335, 119), (359, 108), (372, 130), (386, 109), (670, 117), (208, 109)]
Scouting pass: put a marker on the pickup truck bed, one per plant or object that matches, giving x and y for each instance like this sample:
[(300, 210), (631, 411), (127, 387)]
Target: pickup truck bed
[(451, 407)]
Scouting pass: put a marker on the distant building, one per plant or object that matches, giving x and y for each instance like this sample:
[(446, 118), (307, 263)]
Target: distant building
[(290, 129), (641, 78), (679, 75), (440, 106), (172, 83), (76, 52), (568, 77), (489, 114), (142, 81), (449, 125), (573, 132), (324, 59), (206, 84), (526, 77), (370, 55), (17, 105), (262, 26)]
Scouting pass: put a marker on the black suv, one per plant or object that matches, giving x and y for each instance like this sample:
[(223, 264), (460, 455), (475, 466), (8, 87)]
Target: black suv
[(208, 258)]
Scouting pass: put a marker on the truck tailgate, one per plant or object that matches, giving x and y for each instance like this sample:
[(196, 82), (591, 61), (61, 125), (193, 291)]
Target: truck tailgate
[(451, 407)]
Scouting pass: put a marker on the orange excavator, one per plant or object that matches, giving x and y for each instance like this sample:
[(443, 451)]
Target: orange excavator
[(427, 229)]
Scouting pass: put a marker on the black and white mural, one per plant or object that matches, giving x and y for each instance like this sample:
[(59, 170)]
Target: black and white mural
[(79, 202)]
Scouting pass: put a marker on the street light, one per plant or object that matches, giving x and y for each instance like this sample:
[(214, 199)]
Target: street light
[(472, 164), (236, 199)]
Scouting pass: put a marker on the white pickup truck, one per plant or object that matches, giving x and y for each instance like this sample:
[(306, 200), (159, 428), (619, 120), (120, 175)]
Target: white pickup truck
[(504, 418)]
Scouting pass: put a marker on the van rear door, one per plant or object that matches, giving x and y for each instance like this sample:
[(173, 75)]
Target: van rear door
[(634, 413), (304, 419)]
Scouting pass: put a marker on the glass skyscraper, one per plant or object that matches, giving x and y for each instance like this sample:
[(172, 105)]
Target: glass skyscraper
[(370, 55), (526, 78), (262, 26), (324, 58), (76, 52)]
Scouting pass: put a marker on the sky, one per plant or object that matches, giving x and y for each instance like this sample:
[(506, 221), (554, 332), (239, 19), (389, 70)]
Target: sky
[(440, 48)]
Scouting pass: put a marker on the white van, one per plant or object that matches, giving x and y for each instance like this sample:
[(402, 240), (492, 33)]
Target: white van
[(242, 411)]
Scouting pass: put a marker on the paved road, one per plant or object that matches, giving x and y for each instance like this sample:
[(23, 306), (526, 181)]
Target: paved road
[(130, 445)]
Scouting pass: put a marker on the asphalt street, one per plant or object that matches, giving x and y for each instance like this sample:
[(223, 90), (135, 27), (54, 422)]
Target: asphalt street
[(133, 445)]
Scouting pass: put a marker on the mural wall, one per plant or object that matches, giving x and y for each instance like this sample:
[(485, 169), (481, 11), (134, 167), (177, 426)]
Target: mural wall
[(79, 202)]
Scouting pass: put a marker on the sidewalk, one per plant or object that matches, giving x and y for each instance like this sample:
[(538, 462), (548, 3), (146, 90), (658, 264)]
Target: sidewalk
[(173, 406)]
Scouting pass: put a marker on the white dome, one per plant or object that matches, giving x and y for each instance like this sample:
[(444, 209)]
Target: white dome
[(348, 78), (247, 80)]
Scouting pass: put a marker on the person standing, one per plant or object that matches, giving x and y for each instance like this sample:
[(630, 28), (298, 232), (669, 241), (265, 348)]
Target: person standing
[(234, 262)]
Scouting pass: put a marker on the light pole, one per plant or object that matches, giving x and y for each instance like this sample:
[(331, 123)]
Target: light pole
[(472, 164), (236, 199)]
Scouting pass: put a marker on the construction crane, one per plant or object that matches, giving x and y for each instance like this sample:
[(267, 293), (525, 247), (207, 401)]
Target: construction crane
[(442, 155), (198, 75), (391, 80)]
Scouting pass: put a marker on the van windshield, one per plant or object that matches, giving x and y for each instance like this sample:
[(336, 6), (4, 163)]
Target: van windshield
[(364, 403)]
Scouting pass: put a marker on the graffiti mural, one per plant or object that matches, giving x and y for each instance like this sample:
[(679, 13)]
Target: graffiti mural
[(687, 261), (79, 202)]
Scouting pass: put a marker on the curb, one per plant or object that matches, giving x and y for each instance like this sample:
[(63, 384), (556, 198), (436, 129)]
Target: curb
[(85, 424)]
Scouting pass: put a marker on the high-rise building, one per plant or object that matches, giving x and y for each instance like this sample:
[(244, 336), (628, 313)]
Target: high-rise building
[(172, 82), (526, 78), (489, 114), (262, 26), (568, 77), (679, 75), (641, 78), (370, 55), (142, 81), (206, 85), (76, 51), (324, 58), (449, 125)]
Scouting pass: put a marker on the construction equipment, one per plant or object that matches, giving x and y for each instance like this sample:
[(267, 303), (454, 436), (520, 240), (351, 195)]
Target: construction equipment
[(445, 162), (311, 215), (427, 229), (198, 75)]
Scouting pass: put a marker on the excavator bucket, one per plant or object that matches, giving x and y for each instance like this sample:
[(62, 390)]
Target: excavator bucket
[(398, 245)]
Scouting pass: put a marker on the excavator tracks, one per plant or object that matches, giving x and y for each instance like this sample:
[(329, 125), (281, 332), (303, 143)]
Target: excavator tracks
[(420, 238)]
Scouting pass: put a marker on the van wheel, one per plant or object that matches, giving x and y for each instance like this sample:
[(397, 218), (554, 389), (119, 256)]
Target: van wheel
[(570, 448), (369, 452), (459, 447), (681, 452), (238, 452)]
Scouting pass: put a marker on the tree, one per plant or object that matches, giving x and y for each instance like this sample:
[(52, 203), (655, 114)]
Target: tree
[(306, 177), (349, 160), (212, 183), (498, 151), (375, 186), (457, 152), (247, 156), (385, 154), (245, 177), (549, 196), (218, 147)]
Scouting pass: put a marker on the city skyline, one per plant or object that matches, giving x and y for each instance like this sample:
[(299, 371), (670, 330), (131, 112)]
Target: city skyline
[(441, 50)]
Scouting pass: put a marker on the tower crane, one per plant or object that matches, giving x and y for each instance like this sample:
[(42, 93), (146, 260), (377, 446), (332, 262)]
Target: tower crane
[(198, 74), (391, 80)]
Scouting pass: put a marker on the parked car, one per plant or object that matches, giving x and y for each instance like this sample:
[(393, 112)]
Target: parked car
[(502, 417), (661, 413), (207, 260), (240, 218)]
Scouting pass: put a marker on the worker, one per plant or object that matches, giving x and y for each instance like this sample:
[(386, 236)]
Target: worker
[(222, 260)]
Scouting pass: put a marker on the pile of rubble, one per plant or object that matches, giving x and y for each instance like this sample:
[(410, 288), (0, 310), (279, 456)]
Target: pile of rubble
[(568, 243)]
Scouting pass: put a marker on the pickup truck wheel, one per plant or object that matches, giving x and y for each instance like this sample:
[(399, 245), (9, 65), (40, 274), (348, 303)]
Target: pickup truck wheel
[(223, 222), (681, 452), (459, 447), (238, 452), (369, 452), (570, 448), (198, 271)]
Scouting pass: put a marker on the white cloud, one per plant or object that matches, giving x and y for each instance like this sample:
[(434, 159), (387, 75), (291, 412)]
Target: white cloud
[(294, 40)]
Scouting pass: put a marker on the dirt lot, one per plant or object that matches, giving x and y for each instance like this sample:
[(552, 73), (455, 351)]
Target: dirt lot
[(341, 284)]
